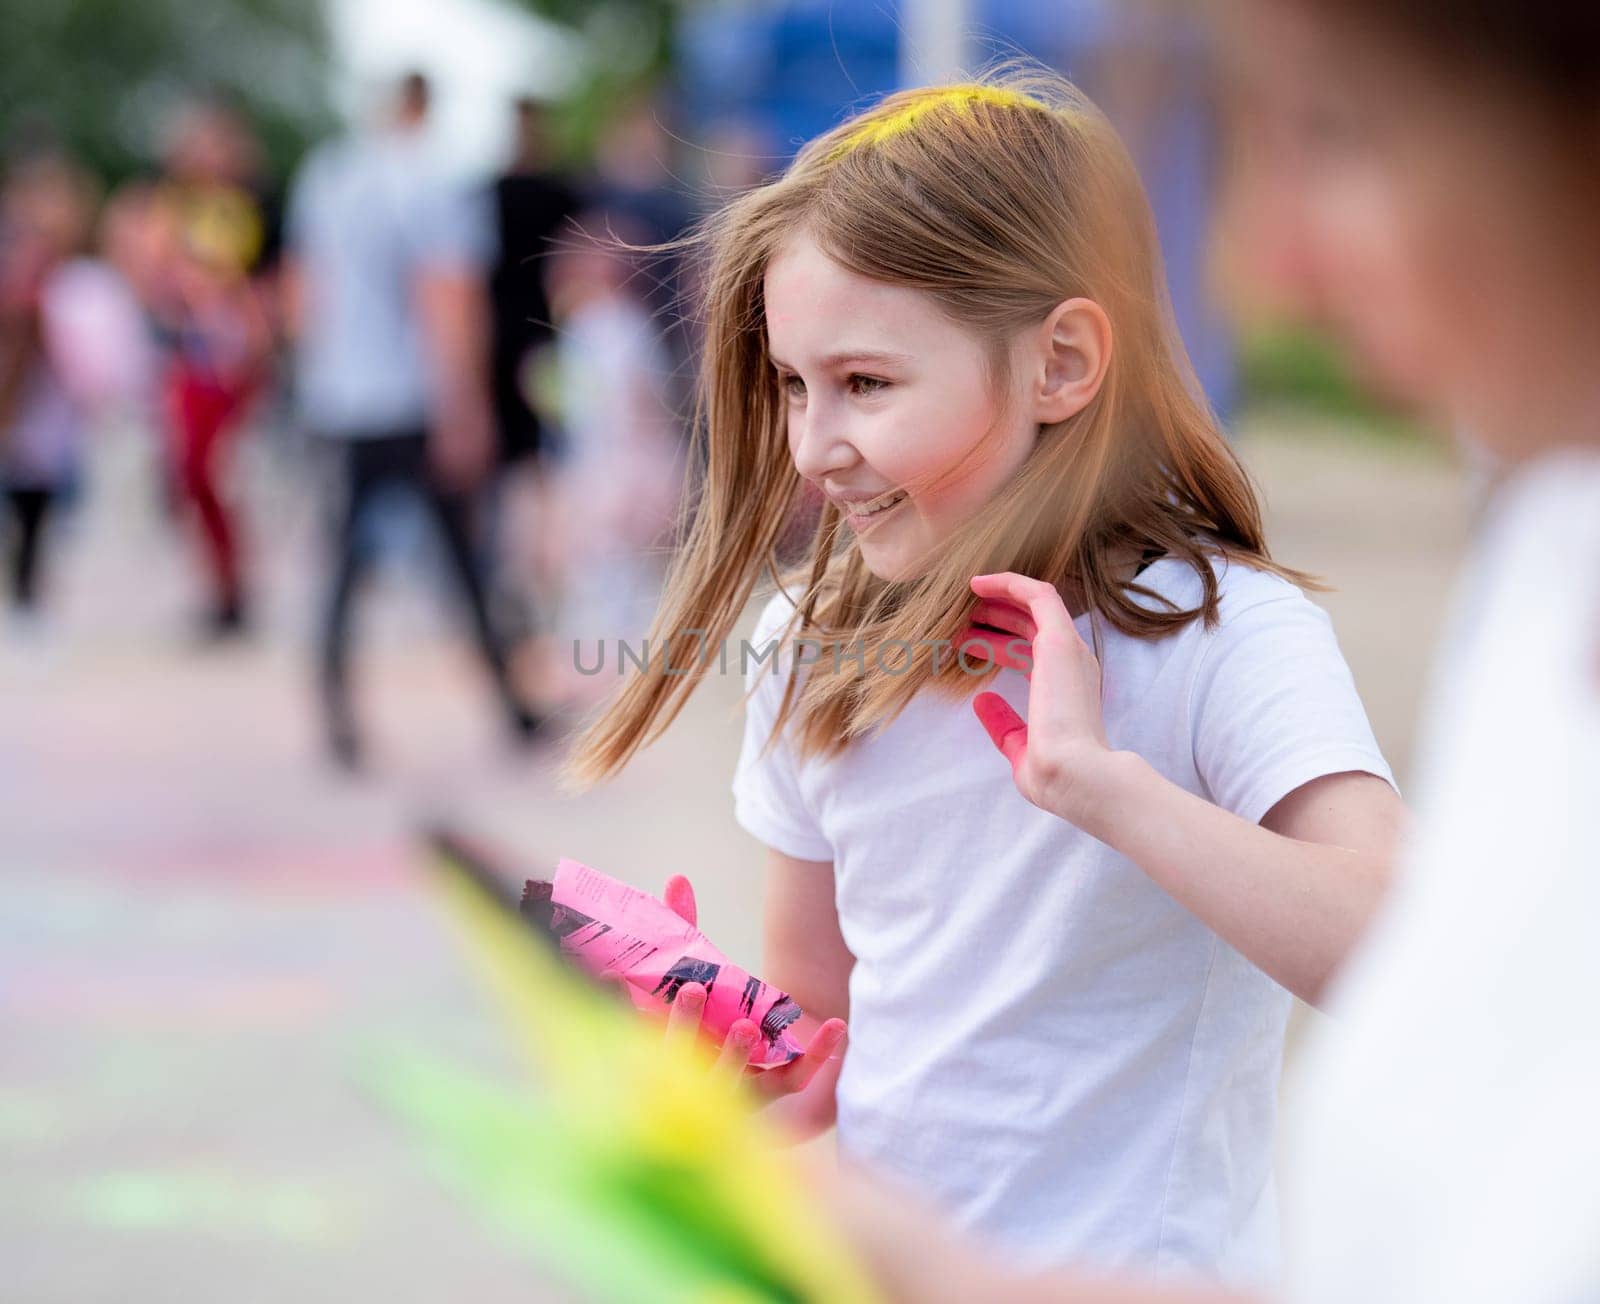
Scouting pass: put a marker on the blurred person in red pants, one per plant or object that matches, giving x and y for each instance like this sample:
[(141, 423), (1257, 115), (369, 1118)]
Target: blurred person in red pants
[(213, 318)]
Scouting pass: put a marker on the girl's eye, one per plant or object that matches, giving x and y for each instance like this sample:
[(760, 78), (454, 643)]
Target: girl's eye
[(792, 385), (867, 385)]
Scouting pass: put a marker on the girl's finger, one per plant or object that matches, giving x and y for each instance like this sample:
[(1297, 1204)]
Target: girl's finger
[(1006, 729), (1039, 599), (1004, 615), (679, 897), (736, 1050), (1064, 689), (798, 1073), (1010, 651), (683, 1015)]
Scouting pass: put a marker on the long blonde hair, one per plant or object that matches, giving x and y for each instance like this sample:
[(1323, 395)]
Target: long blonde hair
[(1000, 198)]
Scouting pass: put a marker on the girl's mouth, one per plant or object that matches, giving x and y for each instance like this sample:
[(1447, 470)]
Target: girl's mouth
[(863, 515)]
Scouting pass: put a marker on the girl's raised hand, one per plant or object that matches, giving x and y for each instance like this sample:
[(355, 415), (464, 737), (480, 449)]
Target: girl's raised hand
[(683, 1019), (1061, 748)]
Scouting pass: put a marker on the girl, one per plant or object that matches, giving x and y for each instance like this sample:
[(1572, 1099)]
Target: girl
[(947, 319)]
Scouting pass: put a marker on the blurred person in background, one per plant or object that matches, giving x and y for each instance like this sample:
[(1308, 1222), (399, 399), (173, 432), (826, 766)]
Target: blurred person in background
[(71, 346), (44, 217), (533, 206), (386, 278), (1425, 180), (635, 189), (634, 183), (214, 314), (620, 476)]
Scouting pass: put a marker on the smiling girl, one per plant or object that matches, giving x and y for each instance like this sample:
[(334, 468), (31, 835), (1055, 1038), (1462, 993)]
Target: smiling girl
[(947, 321)]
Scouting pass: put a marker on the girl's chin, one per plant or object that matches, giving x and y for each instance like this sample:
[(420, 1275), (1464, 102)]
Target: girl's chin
[(894, 563)]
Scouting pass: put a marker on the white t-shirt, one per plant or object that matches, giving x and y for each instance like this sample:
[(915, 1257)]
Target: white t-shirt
[(1448, 1144), (1041, 1038)]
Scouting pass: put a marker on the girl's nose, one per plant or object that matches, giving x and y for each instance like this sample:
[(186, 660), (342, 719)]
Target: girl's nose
[(818, 445)]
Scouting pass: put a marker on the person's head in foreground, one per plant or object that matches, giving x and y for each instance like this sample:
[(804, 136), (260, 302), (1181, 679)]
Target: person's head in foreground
[(945, 329), (1424, 181)]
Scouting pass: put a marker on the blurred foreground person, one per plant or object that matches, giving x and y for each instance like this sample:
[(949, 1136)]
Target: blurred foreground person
[(385, 278), (1425, 180)]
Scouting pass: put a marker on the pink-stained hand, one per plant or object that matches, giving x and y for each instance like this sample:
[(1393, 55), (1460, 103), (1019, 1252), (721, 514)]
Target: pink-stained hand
[(683, 1019), (1059, 750)]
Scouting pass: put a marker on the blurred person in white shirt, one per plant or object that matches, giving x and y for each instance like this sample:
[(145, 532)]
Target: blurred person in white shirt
[(385, 280)]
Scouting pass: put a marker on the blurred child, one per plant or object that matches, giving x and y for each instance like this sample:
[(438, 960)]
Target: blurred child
[(618, 483)]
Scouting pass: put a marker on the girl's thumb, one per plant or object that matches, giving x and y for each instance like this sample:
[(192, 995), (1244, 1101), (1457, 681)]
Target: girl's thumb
[(679, 897)]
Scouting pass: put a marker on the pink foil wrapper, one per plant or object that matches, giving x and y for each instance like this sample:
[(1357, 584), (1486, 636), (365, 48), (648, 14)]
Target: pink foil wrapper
[(609, 929)]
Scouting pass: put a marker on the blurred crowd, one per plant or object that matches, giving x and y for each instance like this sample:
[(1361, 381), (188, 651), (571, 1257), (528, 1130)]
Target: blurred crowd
[(508, 355)]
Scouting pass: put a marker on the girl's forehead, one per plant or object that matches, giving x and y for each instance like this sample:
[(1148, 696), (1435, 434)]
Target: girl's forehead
[(812, 301)]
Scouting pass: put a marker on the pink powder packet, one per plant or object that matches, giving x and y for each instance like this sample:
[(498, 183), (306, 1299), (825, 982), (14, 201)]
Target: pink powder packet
[(609, 928)]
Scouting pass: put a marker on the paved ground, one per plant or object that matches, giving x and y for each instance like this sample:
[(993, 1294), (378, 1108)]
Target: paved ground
[(204, 931)]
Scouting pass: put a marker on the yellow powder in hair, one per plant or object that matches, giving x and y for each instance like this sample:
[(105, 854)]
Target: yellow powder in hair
[(877, 130)]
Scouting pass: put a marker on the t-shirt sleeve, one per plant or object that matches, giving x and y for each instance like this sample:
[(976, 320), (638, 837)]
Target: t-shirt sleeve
[(1274, 706), (768, 800)]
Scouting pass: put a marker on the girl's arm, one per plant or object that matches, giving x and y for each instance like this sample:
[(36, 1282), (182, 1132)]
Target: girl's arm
[(805, 955), (1292, 894)]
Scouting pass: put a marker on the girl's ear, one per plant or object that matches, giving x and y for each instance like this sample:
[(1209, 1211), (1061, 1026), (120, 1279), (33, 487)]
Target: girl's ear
[(1074, 350)]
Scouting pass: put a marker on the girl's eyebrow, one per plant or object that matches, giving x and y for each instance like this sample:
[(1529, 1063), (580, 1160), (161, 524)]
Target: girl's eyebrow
[(852, 358)]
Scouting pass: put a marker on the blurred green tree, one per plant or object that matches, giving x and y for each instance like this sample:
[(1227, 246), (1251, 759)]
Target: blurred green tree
[(100, 76)]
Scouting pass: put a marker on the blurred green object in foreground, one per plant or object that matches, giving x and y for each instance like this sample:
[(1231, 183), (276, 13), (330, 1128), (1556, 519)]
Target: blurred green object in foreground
[(632, 1170)]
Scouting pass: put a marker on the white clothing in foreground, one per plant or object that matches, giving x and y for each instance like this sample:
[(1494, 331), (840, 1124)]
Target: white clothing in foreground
[(1042, 1040), (1448, 1146)]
